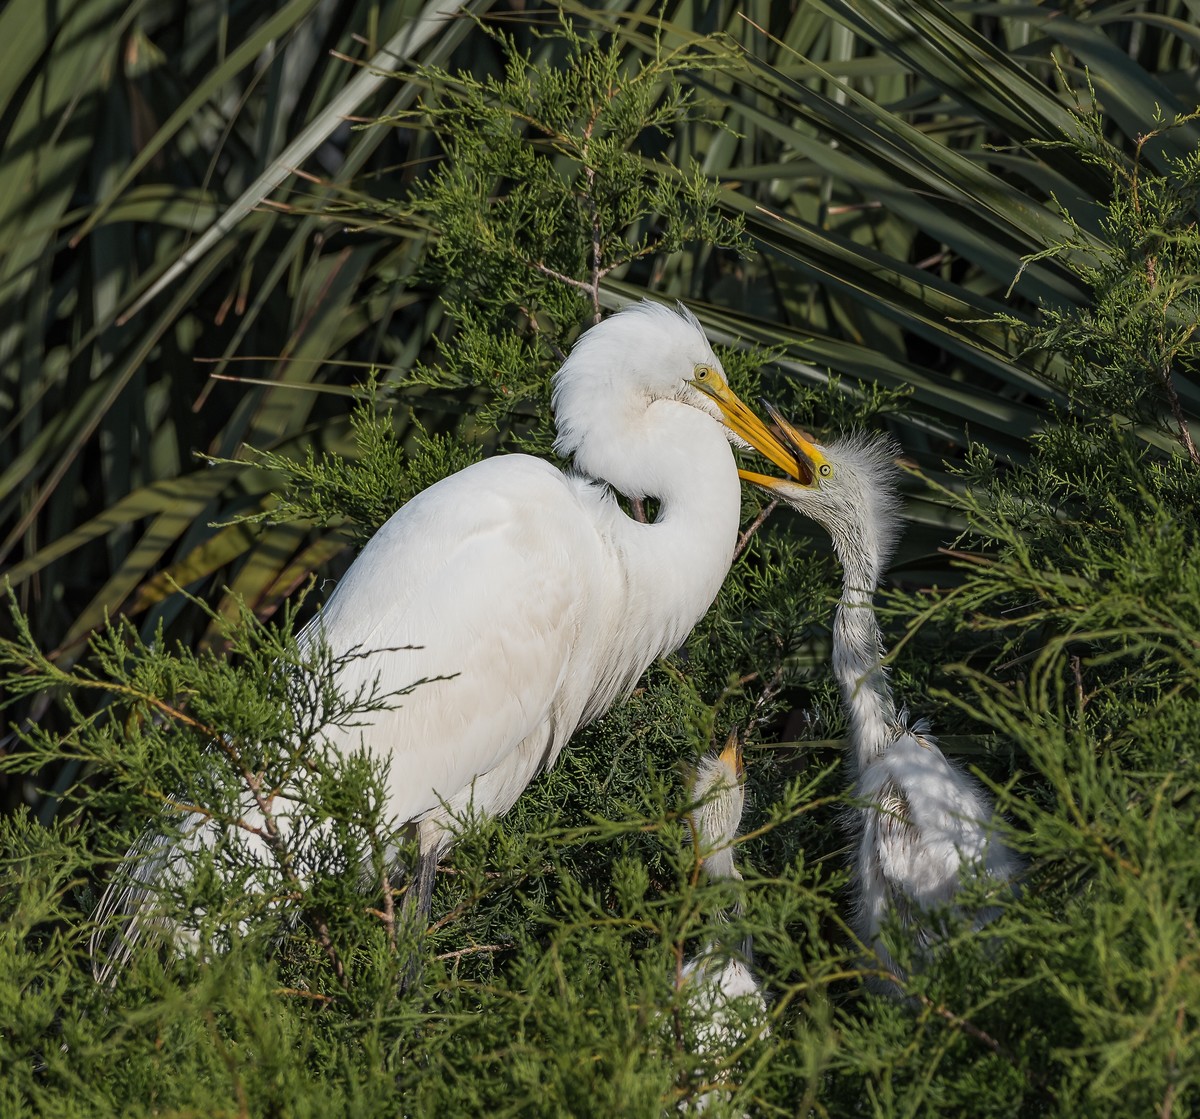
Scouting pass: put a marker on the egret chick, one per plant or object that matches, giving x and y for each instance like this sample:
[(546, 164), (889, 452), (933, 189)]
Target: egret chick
[(723, 995), (524, 595), (926, 823)]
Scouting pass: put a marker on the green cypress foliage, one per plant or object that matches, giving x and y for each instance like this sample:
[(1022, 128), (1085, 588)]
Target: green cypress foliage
[(549, 981)]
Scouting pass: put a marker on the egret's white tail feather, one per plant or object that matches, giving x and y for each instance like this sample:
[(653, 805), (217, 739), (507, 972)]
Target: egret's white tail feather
[(128, 908), (161, 864)]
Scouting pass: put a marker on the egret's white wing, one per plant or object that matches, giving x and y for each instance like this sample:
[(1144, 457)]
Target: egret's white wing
[(428, 578), (488, 576), (125, 904)]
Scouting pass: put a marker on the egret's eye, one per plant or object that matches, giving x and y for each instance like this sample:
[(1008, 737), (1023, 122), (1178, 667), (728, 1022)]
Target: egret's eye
[(703, 372), (825, 470)]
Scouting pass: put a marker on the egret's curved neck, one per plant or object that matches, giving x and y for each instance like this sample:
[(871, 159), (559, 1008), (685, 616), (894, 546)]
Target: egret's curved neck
[(674, 567), (858, 647)]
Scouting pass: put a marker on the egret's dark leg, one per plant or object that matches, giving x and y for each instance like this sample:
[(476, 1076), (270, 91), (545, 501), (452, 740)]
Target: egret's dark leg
[(418, 901)]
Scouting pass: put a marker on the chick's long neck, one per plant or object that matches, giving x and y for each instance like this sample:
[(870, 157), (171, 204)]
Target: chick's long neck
[(858, 647)]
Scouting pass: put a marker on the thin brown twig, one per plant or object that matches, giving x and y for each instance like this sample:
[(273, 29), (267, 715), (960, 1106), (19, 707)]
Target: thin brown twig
[(1168, 1104), (296, 993), (676, 1019), (389, 904), (453, 915), (160, 705), (754, 526), (770, 690), (563, 277), (1185, 433), (967, 557), (589, 173), (734, 687), (274, 840), (596, 273), (1077, 670), (460, 952), (454, 870), (555, 348), (959, 1022)]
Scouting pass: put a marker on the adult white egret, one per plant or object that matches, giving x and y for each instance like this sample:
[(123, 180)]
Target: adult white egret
[(925, 823), (524, 595), (723, 995)]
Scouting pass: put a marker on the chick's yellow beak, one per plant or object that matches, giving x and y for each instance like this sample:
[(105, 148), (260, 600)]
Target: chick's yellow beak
[(811, 463), (745, 424), (731, 755)]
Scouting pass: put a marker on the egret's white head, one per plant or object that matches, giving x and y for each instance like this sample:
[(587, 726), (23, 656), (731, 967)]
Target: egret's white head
[(850, 488), (719, 792), (646, 352)]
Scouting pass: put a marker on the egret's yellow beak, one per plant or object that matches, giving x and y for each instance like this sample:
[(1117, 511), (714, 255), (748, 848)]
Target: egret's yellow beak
[(811, 463), (731, 755), (745, 424)]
